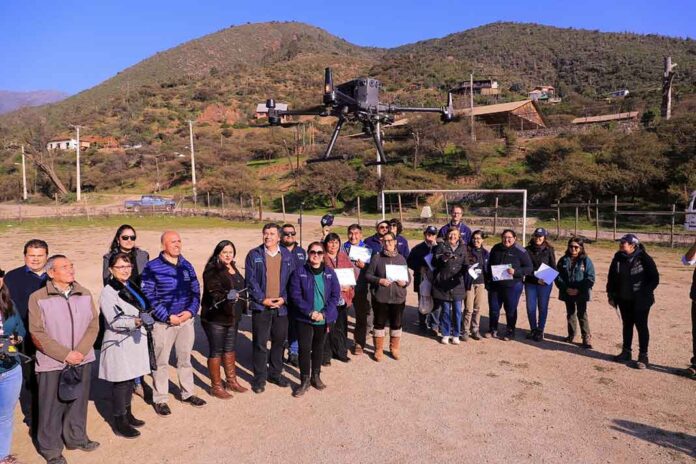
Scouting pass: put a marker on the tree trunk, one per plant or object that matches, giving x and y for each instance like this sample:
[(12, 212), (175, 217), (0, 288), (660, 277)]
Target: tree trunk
[(53, 177)]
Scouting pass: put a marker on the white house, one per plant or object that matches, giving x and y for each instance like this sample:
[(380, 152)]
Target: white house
[(66, 144)]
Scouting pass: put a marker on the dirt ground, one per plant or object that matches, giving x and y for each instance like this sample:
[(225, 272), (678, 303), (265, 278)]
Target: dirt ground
[(490, 401)]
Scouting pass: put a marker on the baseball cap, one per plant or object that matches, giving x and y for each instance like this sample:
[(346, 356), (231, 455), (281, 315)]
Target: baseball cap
[(327, 220), (430, 230), (540, 232), (630, 238)]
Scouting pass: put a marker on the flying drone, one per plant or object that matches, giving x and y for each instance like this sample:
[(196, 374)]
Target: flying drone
[(355, 101)]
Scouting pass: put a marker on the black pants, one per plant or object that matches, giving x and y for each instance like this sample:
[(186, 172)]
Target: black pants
[(121, 396), (635, 313), (693, 331), (268, 325), (311, 339), (61, 421), (336, 343), (28, 397), (388, 312), (221, 338), (363, 315), (576, 310)]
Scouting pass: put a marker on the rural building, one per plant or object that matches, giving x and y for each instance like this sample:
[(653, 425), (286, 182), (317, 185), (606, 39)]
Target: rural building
[(262, 111), (519, 115), (481, 87), (66, 143), (542, 93), (604, 118)]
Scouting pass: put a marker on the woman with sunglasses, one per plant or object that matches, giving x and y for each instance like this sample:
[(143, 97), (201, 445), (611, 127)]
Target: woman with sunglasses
[(631, 283), (314, 292), (337, 341), (538, 291), (388, 296), (505, 290), (124, 242), (12, 332), (576, 277), (451, 263), (124, 353), (221, 311)]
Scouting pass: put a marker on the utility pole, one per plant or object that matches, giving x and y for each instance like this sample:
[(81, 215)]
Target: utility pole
[(667, 78), (77, 165), (471, 105), (24, 176), (193, 163)]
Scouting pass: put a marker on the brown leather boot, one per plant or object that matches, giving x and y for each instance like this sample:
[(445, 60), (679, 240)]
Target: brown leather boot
[(378, 340), (395, 344), (229, 362), (216, 388)]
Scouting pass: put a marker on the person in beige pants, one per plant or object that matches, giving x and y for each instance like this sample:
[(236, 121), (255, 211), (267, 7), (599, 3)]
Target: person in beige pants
[(475, 294)]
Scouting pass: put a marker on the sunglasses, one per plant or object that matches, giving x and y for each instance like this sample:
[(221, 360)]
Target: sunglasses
[(128, 237), (289, 234), (316, 252)]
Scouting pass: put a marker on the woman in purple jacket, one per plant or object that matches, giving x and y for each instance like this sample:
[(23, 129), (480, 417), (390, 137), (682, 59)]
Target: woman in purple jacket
[(314, 292)]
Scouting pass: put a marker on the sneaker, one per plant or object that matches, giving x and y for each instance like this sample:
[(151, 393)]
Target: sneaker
[(491, 334), (643, 361), (89, 445), (195, 401), (476, 336), (624, 356), (444, 340), (464, 337), (455, 340), (258, 388), (162, 409), (509, 335)]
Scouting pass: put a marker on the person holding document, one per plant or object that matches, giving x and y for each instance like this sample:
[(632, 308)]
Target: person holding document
[(314, 292), (451, 262), (335, 258), (631, 283), (388, 277), (536, 288), (476, 287), (360, 256), (576, 277), (507, 266)]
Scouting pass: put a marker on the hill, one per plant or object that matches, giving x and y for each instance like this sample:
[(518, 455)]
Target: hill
[(10, 101)]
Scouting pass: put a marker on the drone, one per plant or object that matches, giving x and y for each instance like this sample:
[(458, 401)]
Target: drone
[(355, 101)]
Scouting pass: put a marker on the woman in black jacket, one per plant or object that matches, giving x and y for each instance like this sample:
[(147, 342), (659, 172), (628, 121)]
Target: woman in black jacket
[(506, 292), (451, 262), (631, 283), (537, 291), (221, 312)]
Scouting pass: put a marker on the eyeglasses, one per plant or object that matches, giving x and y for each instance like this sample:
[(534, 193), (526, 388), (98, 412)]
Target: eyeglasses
[(316, 252), (574, 247), (383, 227), (290, 234), (125, 266), (389, 240), (128, 237), (508, 237)]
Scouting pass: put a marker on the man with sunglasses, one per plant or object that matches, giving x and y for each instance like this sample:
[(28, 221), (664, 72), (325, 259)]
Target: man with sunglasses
[(22, 282), (289, 242), (374, 242), (268, 268)]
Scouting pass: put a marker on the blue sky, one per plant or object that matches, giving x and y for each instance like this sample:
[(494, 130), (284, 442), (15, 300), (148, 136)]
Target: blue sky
[(72, 45)]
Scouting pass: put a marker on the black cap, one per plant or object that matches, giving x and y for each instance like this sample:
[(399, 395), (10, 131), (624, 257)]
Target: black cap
[(540, 232), (430, 230), (327, 220), (630, 238)]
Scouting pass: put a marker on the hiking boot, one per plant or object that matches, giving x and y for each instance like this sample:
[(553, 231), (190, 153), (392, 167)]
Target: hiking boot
[(475, 336), (624, 356), (316, 382)]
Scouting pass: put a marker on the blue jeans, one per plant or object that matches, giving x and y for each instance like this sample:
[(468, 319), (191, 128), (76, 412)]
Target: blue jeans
[(432, 320), (451, 314), (293, 344), (10, 384), (508, 297), (537, 298)]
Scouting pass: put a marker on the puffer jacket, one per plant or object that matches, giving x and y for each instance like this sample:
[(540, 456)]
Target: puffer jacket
[(449, 277), (643, 275), (540, 255), (377, 269)]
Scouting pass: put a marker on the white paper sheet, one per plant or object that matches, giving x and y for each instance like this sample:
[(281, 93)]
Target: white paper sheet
[(474, 271), (547, 273), (396, 272), (346, 277), (360, 253), (500, 272), (429, 261)]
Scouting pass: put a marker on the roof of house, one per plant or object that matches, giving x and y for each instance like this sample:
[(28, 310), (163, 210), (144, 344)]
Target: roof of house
[(606, 118), (492, 109), (261, 107)]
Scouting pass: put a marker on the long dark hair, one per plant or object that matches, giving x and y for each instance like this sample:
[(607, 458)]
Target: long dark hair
[(581, 243), (214, 260), (119, 231), (6, 306), (546, 243)]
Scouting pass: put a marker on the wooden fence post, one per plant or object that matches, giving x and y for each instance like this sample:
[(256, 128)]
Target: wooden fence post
[(241, 207), (577, 211), (616, 207), (222, 202), (596, 214), (558, 219), (282, 203), (260, 209), (401, 213), (358, 210), (671, 231), (495, 217)]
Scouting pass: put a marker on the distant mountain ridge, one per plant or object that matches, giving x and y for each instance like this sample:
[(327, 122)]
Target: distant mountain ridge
[(10, 100)]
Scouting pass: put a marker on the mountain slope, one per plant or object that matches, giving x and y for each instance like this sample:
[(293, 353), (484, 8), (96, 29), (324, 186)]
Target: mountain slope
[(10, 101)]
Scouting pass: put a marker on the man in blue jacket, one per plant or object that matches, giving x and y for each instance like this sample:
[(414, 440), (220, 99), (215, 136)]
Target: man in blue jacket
[(288, 241), (170, 284), (456, 220), (268, 268)]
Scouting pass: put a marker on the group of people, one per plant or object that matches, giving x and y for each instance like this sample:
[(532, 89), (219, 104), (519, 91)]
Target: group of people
[(299, 300)]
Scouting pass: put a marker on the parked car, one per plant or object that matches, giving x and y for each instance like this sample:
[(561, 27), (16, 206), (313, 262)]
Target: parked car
[(150, 203), (690, 222)]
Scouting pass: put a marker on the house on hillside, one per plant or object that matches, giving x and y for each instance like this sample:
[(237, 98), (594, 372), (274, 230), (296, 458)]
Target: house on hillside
[(481, 87), (542, 93), (262, 112), (605, 118), (66, 143), (519, 115)]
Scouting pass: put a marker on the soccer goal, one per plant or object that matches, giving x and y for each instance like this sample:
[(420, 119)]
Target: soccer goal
[(484, 203)]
